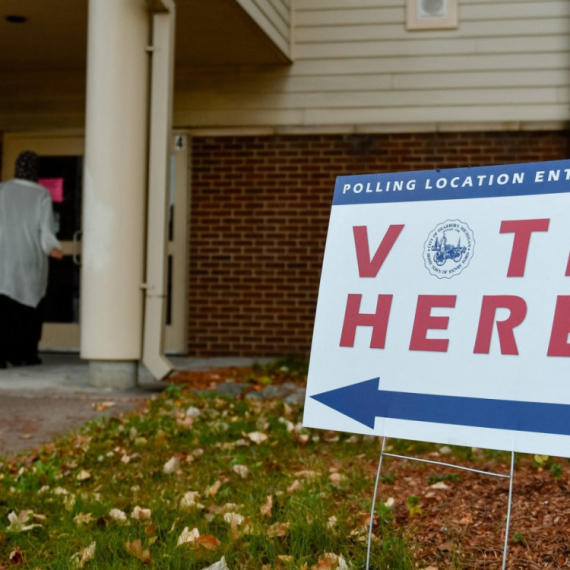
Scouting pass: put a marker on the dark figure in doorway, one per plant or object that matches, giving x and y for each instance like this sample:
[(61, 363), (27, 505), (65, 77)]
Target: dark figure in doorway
[(26, 242)]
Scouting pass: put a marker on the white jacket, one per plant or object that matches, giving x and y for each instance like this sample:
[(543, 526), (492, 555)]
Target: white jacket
[(26, 239)]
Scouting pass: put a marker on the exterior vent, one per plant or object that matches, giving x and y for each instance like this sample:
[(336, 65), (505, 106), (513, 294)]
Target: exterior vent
[(431, 14), (432, 8)]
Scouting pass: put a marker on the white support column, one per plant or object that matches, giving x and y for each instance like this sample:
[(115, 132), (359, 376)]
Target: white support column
[(114, 190)]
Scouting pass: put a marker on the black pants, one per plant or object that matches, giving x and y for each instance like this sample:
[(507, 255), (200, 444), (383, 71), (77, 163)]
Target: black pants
[(20, 332)]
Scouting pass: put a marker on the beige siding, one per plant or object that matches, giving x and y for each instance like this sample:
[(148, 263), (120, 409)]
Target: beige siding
[(355, 63), (274, 18)]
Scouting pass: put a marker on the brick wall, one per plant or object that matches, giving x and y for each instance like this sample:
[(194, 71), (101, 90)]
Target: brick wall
[(259, 216)]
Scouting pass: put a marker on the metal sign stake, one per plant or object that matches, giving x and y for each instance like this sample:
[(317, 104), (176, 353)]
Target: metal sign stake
[(420, 460)]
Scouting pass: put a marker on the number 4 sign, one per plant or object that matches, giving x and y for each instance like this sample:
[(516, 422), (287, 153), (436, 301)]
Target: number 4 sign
[(444, 308)]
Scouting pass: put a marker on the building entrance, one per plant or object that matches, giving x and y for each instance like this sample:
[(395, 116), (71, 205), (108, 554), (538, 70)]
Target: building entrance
[(61, 172)]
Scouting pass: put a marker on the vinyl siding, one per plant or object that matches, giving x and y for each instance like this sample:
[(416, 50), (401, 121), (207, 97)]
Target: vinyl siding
[(355, 64), (274, 18)]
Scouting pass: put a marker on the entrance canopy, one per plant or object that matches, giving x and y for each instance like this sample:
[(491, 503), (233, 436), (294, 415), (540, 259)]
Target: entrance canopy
[(216, 32)]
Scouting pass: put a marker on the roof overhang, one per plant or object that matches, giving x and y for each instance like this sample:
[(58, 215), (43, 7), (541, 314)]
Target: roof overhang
[(212, 33)]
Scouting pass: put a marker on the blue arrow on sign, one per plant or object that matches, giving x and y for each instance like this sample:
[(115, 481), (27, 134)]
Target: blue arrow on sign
[(364, 402)]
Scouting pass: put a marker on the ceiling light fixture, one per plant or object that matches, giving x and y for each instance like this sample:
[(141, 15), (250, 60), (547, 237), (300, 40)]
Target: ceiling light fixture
[(13, 19)]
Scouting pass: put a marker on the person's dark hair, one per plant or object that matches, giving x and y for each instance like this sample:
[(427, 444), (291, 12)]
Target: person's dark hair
[(27, 166)]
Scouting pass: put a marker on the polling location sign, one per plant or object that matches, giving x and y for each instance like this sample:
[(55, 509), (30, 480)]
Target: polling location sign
[(444, 308)]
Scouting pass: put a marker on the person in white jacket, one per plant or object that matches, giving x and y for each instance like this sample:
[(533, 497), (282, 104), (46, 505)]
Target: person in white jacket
[(26, 241)]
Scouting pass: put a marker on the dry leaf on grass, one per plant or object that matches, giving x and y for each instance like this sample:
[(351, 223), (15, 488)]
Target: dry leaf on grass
[(208, 541), (141, 514), (265, 510), (185, 423), (277, 530), (192, 412), (330, 561), (188, 536), (82, 518), (172, 465), (118, 515), (135, 549), (241, 470), (257, 437), (214, 488), (79, 559), (337, 479), (189, 500), (18, 521), (307, 474), (83, 475), (295, 486), (16, 557), (220, 565)]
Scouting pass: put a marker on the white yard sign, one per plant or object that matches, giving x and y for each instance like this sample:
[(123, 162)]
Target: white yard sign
[(444, 308)]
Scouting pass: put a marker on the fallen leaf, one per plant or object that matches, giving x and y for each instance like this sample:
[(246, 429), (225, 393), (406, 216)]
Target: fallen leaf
[(118, 515), (69, 502), (172, 465), (141, 514), (16, 557), (220, 565), (257, 437), (307, 474), (446, 546), (337, 479), (277, 530), (233, 517), (295, 486), (188, 536), (241, 470), (79, 559), (265, 510), (150, 529), (192, 412), (185, 423), (82, 518), (189, 500), (439, 485), (103, 406), (330, 561), (208, 541), (18, 521), (135, 549), (214, 488)]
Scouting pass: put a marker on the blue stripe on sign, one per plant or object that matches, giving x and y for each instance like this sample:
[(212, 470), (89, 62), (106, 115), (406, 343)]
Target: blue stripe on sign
[(455, 184), (364, 402)]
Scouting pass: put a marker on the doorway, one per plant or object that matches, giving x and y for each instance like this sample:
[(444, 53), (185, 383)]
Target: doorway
[(61, 171)]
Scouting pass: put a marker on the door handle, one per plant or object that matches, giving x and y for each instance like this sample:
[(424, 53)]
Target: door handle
[(75, 254)]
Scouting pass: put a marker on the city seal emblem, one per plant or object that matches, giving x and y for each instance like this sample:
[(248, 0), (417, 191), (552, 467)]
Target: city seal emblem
[(449, 249)]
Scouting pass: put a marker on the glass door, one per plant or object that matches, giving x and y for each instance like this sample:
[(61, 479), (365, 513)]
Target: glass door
[(61, 172)]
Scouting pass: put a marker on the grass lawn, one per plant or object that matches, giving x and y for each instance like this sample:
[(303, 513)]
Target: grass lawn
[(190, 479)]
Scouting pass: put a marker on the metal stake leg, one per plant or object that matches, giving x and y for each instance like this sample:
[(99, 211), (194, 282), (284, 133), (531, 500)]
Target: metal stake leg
[(374, 504), (506, 548)]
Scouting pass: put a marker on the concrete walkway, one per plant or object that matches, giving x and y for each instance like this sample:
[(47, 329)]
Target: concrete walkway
[(38, 403)]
